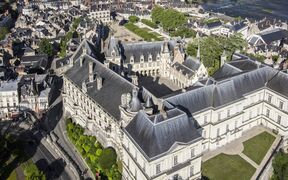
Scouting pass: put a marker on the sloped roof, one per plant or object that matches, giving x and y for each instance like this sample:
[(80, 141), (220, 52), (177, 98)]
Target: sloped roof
[(222, 92), (156, 134), (274, 35), (109, 96)]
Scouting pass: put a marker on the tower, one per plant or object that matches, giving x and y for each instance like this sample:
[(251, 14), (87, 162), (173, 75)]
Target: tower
[(165, 59)]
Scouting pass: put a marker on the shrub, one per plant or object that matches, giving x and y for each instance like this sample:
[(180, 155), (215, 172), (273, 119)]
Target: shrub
[(133, 19), (107, 158), (149, 23)]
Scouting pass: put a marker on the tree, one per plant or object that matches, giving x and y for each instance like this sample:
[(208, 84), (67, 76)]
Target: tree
[(3, 32), (31, 172), (46, 47), (133, 19), (211, 49), (107, 158), (280, 166), (157, 13)]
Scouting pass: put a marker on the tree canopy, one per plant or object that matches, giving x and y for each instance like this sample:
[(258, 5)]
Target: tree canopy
[(169, 19), (31, 172), (133, 19), (107, 158), (211, 49), (280, 166), (46, 47), (3, 32)]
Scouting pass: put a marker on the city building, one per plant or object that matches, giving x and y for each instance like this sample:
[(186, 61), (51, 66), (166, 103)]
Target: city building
[(9, 100)]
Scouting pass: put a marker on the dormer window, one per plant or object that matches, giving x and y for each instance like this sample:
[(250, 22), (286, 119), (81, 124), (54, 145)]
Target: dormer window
[(150, 58), (142, 59), (158, 57), (131, 59)]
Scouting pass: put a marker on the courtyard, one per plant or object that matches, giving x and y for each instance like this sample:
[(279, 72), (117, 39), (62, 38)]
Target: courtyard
[(241, 159)]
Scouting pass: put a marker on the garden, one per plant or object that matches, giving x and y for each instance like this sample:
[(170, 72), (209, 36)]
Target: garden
[(257, 147), (143, 33), (227, 167), (102, 161)]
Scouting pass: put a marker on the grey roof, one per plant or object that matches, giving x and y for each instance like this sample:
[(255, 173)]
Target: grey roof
[(226, 71), (279, 83), (62, 61), (109, 96), (191, 63), (223, 92), (8, 86), (35, 61), (185, 70), (274, 35), (145, 49), (156, 134)]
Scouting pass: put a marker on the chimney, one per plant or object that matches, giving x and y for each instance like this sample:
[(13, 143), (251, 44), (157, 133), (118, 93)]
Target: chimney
[(258, 64), (99, 82), (106, 64), (91, 71), (134, 80)]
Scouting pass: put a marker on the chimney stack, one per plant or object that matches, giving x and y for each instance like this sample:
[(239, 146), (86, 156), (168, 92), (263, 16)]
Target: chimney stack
[(134, 79), (99, 82), (91, 78)]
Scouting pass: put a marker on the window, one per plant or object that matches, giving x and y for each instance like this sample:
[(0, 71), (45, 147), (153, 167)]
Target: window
[(267, 112), (228, 113), (269, 98), (144, 167), (175, 160), (250, 114), (191, 171), (219, 116), (158, 170), (135, 172), (236, 124), (279, 119), (204, 134), (258, 111), (227, 127), (281, 104), (218, 131), (192, 153), (205, 119)]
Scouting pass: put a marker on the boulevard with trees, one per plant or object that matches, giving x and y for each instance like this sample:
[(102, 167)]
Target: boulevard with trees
[(212, 47), (102, 161)]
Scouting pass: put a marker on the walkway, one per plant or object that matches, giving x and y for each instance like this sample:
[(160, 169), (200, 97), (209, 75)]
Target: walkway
[(236, 147)]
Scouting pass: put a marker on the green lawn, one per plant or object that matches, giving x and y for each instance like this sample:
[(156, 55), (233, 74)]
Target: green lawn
[(227, 167), (143, 32), (257, 147)]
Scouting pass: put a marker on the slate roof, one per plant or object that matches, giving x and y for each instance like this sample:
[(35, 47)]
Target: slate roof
[(274, 35), (155, 135), (145, 49), (230, 87), (185, 70), (109, 96), (35, 61)]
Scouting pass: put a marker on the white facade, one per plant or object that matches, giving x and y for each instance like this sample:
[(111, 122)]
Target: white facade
[(9, 100)]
